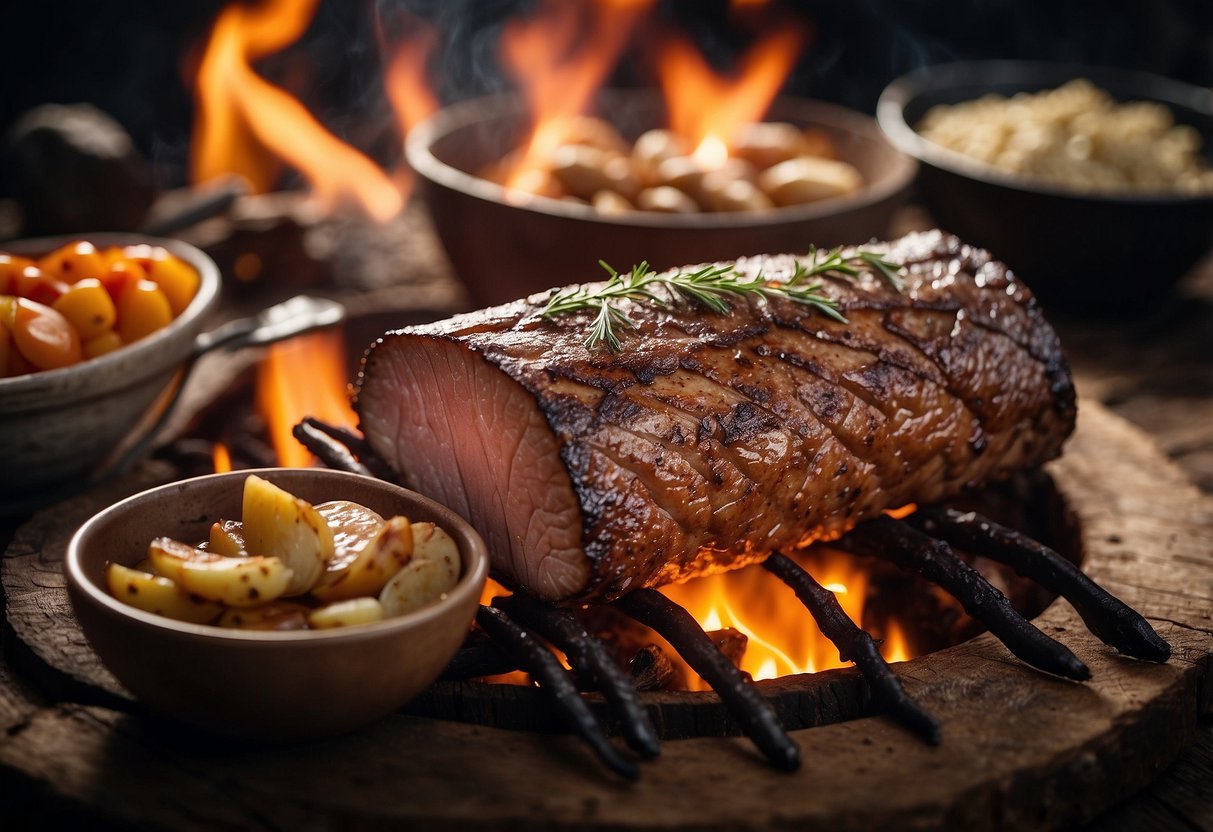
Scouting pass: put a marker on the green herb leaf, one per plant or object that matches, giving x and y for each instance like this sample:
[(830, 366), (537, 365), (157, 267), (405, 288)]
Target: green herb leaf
[(712, 287)]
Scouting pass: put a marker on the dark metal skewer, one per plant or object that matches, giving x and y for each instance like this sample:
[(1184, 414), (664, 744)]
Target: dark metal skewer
[(1109, 618), (854, 644), (328, 450), (589, 657), (553, 680), (910, 549), (753, 713), (479, 660), (357, 446)]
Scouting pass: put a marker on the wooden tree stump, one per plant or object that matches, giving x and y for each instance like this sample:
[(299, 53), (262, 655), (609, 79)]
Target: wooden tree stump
[(1021, 750)]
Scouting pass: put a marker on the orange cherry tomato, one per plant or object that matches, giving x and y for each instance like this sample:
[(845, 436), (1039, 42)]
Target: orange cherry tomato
[(6, 348), (121, 272), (88, 307), (106, 342), (176, 278), (8, 310), (142, 309), (38, 285), (12, 265), (44, 337), (75, 261), (145, 255)]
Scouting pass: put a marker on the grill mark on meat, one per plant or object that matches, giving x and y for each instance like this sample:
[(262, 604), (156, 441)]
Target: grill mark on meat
[(701, 446)]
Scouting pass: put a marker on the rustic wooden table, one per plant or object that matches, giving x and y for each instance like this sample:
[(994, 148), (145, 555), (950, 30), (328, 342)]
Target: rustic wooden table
[(1156, 371)]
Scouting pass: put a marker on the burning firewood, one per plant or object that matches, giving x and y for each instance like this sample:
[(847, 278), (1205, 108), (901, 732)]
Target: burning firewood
[(650, 668)]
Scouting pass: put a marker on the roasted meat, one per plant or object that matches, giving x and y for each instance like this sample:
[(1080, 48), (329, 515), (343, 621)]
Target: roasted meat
[(710, 440)]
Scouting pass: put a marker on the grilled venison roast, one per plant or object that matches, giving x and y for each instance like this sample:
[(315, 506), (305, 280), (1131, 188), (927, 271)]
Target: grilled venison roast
[(710, 440)]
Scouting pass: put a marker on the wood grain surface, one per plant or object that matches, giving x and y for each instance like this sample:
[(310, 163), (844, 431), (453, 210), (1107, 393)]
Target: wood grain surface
[(1021, 750)]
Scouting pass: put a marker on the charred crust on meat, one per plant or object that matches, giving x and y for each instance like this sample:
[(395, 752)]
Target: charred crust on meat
[(618, 409), (744, 422)]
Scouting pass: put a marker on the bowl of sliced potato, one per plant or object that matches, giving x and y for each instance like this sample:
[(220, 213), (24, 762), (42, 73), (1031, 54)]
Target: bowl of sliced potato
[(276, 603)]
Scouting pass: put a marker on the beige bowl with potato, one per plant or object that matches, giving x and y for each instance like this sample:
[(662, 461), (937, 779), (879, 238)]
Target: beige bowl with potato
[(258, 684)]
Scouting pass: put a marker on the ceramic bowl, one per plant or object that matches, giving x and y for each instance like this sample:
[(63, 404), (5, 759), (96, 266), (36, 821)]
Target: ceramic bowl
[(503, 250), (255, 684), (59, 426), (1081, 251)]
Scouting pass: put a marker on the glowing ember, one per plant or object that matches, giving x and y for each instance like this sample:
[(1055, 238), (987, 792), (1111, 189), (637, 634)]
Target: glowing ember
[(247, 125), (704, 104), (302, 377), (560, 57)]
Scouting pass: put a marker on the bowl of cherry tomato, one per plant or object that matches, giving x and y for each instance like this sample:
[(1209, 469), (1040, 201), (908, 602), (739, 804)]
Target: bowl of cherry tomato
[(93, 330)]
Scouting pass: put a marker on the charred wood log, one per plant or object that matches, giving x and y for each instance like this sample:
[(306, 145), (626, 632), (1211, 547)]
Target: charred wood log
[(854, 644), (1109, 618), (935, 560), (589, 658), (650, 668), (476, 660), (753, 713), (731, 643), (534, 657)]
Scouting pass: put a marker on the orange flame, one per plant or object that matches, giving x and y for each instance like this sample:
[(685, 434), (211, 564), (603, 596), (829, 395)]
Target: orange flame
[(704, 105), (560, 57), (301, 377), (406, 82), (245, 124), (782, 637), (221, 458)]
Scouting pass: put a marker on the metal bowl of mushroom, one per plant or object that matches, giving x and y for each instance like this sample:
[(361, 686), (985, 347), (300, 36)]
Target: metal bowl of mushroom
[(621, 190)]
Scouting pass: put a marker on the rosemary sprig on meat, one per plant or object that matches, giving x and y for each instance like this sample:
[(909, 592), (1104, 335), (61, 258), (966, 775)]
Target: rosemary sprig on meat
[(712, 286)]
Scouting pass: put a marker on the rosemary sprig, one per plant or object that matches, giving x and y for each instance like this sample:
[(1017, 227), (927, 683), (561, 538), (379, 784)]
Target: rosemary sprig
[(711, 286)]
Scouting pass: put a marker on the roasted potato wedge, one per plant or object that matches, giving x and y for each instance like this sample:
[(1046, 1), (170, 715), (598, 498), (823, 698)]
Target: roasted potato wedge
[(353, 527), (364, 572), (433, 571), (236, 582), (278, 524), (346, 613), (226, 538), (161, 596), (276, 615)]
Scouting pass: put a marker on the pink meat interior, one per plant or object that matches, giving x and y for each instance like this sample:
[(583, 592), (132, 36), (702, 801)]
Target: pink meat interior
[(467, 435)]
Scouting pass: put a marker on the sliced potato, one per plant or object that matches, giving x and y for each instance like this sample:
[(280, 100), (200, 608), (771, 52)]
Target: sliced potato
[(161, 596), (278, 524), (353, 527), (276, 615), (146, 565), (368, 570), (236, 582), (432, 543), (433, 571), (346, 613), (227, 539)]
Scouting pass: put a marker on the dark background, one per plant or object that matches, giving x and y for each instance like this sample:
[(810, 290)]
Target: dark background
[(132, 59)]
